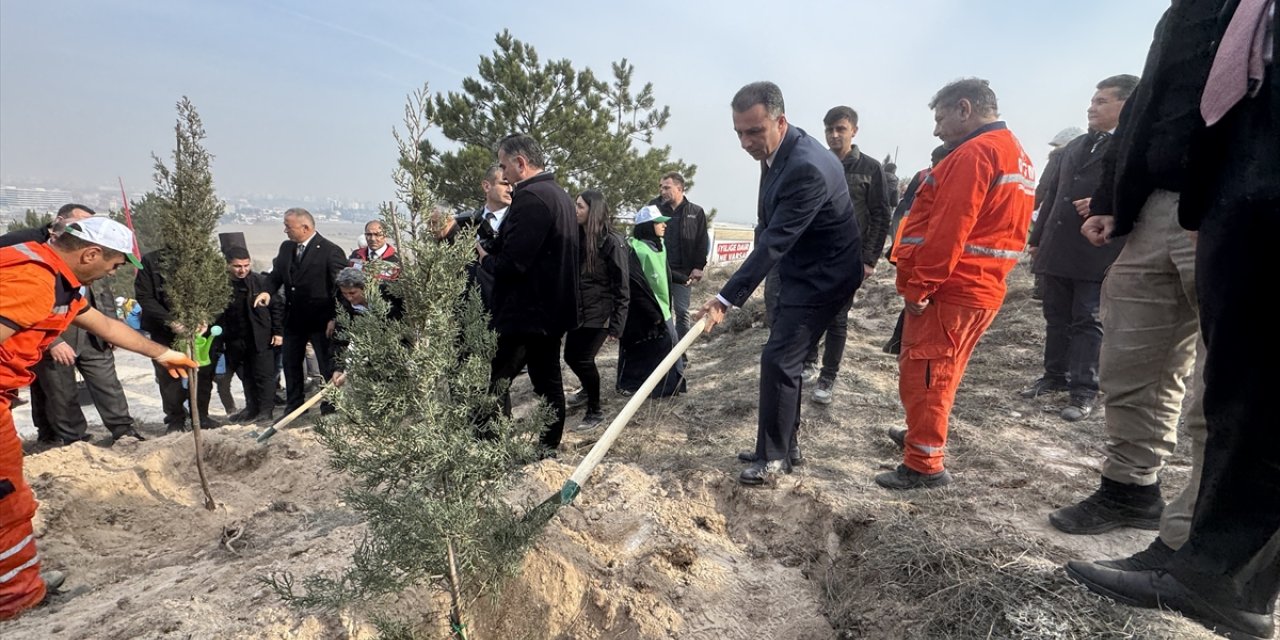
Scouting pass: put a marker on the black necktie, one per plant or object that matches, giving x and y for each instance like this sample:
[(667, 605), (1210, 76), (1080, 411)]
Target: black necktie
[(1099, 138)]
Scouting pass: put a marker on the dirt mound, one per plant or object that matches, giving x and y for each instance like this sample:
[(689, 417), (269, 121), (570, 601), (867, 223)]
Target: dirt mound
[(689, 555), (662, 542)]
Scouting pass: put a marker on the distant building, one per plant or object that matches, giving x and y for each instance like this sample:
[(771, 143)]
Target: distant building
[(42, 200)]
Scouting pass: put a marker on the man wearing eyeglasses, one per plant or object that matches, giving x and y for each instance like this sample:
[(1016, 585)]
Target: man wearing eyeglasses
[(375, 236)]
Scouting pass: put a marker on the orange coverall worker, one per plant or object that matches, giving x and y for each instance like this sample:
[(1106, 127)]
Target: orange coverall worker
[(966, 230), (39, 297)]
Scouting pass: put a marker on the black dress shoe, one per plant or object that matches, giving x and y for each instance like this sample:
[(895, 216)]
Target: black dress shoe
[(1160, 590), (797, 457), (762, 472), (1155, 556), (1043, 386)]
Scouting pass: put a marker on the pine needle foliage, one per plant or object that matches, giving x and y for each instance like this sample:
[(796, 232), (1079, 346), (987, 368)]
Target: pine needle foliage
[(185, 215), (408, 431), (597, 133)]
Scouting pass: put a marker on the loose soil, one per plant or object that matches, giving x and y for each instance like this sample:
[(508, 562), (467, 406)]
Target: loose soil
[(662, 543)]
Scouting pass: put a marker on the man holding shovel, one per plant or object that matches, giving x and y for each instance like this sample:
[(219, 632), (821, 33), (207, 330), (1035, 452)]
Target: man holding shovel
[(806, 227)]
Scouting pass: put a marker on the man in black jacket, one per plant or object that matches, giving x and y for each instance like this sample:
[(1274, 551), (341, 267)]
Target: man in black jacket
[(251, 327), (149, 290), (306, 267), (1227, 574), (534, 262), (869, 191), (686, 242), (807, 230), (1070, 267), (481, 225)]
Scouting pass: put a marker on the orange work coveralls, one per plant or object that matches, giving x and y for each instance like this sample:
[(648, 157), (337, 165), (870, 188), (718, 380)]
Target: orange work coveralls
[(967, 227), (39, 297)]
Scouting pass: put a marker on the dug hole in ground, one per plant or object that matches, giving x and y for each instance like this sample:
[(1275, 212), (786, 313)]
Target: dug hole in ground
[(662, 543)]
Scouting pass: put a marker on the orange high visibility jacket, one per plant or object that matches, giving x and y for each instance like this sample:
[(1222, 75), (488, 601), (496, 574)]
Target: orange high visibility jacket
[(969, 222), (25, 267)]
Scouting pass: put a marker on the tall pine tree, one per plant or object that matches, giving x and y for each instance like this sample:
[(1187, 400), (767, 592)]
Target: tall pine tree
[(591, 130)]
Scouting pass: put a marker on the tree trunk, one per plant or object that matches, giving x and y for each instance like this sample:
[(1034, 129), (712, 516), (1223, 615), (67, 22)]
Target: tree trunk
[(456, 624), (193, 383)]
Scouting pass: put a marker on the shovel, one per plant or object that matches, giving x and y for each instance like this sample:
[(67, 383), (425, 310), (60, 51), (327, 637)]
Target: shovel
[(573, 485), (293, 415)]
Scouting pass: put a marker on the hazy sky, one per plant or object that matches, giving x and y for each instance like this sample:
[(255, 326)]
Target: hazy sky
[(299, 98)]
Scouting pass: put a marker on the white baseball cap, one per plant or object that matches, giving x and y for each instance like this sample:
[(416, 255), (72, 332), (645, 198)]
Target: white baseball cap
[(1065, 136), (105, 232), (650, 214)]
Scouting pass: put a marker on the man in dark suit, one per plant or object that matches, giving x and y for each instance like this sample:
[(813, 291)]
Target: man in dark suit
[(306, 268), (534, 262), (806, 227), (1227, 574), (1069, 266), (251, 328)]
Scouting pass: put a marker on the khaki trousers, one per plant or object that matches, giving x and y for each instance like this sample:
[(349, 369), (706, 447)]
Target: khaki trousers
[(1150, 343)]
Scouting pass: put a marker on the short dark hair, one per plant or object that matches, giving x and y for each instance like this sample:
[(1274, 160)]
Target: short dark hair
[(493, 173), (522, 144), (65, 210), (673, 176), (976, 90), (765, 93), (1124, 84), (836, 114), (236, 252)]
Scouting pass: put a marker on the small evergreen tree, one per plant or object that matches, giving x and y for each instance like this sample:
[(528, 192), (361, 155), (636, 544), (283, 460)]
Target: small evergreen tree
[(186, 214), (30, 220), (420, 433)]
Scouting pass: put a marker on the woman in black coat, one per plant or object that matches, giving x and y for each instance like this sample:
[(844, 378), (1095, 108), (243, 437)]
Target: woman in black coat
[(604, 295)]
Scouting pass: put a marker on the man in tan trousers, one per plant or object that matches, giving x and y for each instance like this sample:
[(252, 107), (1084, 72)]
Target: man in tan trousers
[(1151, 329)]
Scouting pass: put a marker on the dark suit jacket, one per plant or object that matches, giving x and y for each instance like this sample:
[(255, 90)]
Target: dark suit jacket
[(1063, 251), (806, 226), (264, 322), (310, 294), (534, 261)]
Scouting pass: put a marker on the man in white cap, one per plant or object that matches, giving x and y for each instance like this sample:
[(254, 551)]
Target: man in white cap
[(40, 296)]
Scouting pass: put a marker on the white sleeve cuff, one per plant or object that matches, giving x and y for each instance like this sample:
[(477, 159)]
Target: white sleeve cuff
[(727, 305)]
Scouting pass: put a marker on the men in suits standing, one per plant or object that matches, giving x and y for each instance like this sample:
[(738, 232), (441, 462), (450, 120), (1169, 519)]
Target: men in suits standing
[(481, 225), (1069, 266), (967, 228), (306, 267), (534, 262), (806, 228), (251, 328), (55, 409)]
